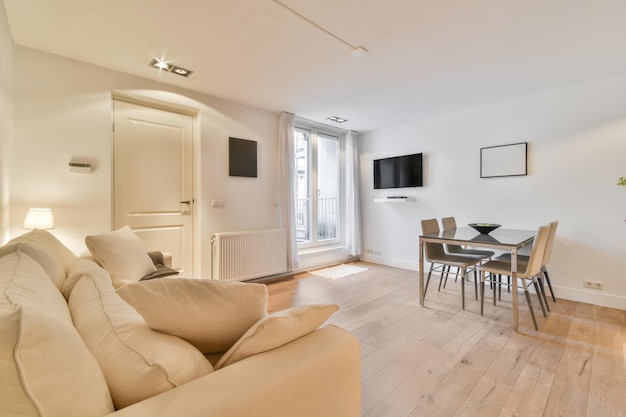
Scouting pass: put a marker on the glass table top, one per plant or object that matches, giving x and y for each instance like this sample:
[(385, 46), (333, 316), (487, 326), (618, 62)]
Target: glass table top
[(500, 236)]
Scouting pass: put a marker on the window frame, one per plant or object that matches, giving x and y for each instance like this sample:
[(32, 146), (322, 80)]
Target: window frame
[(315, 130)]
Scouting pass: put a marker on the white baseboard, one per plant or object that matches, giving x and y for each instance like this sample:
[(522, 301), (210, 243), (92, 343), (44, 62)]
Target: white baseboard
[(396, 263), (582, 296), (590, 297)]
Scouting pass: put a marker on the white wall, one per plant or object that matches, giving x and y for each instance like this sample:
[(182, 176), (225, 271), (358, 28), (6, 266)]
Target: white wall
[(6, 73), (577, 152), (62, 110)]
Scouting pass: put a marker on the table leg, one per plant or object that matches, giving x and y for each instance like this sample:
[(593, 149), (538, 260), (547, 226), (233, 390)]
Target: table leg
[(514, 288), (421, 266)]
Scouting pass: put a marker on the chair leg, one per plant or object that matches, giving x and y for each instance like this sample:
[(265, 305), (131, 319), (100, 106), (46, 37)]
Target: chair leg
[(530, 306), (545, 274), (463, 288), (445, 270), (482, 291), (539, 297), (493, 286), (475, 284), (543, 291), (428, 279)]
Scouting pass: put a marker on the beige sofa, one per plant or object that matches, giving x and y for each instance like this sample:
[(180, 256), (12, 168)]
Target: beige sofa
[(93, 354)]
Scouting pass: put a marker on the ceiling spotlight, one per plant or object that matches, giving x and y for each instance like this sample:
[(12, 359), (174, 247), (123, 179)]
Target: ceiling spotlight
[(181, 71), (157, 63), (337, 119), (162, 65)]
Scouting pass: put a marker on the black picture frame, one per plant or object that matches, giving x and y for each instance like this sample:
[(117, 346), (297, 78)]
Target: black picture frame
[(504, 160)]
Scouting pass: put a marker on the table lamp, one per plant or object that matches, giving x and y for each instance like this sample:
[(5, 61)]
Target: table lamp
[(39, 218)]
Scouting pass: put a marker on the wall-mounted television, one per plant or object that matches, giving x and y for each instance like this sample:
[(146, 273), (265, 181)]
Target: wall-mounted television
[(398, 172)]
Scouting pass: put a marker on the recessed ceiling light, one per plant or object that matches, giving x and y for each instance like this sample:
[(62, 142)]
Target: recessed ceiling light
[(337, 119), (162, 65), (157, 63), (181, 71)]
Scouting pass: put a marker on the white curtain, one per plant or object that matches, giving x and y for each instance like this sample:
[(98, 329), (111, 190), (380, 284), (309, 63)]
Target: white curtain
[(287, 175), (354, 244)]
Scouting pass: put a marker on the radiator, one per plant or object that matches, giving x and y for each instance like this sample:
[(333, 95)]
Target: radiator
[(240, 256)]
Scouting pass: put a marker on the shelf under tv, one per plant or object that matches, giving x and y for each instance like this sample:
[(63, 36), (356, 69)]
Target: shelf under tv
[(394, 199)]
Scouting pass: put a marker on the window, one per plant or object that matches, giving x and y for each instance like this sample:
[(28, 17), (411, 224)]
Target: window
[(318, 187)]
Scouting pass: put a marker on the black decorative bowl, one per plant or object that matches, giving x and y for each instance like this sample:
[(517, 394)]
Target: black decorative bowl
[(484, 228)]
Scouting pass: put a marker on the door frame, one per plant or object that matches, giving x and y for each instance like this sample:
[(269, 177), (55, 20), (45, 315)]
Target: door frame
[(194, 112)]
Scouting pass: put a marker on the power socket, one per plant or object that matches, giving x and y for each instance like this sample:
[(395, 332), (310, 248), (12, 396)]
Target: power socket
[(594, 285)]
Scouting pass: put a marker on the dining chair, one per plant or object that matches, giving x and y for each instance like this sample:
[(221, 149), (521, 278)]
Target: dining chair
[(449, 223), (527, 272), (546, 258), (436, 254)]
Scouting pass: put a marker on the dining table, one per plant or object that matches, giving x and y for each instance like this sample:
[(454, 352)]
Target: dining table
[(508, 240)]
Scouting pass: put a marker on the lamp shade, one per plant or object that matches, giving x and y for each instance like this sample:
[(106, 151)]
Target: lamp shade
[(39, 218)]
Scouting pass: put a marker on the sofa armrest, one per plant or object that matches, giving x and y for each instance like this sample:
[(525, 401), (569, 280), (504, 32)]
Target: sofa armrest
[(167, 259), (316, 375), (161, 258)]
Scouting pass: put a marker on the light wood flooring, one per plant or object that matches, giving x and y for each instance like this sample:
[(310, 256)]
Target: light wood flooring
[(439, 360)]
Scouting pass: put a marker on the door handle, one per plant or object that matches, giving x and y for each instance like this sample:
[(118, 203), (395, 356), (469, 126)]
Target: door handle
[(186, 202)]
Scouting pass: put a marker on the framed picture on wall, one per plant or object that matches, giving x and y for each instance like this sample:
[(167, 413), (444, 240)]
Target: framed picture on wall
[(242, 158), (504, 160)]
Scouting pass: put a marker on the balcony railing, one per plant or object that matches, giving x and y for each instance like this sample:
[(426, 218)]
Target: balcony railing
[(327, 219)]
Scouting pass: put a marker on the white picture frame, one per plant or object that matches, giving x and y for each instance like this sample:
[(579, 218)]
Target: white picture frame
[(504, 160)]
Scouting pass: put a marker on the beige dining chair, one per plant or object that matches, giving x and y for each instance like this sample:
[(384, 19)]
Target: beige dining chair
[(436, 254), (449, 223), (528, 272), (546, 259)]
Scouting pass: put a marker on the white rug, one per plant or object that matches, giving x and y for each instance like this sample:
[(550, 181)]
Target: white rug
[(339, 271)]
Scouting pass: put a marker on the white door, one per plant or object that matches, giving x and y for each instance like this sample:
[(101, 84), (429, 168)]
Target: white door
[(153, 192)]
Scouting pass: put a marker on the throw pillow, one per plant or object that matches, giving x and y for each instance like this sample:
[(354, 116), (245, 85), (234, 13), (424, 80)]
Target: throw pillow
[(122, 254), (211, 315), (136, 361), (277, 329), (85, 265)]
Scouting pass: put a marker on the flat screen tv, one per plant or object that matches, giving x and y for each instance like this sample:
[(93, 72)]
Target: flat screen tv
[(398, 172)]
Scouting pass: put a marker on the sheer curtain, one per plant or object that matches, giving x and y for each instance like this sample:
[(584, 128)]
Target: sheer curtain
[(354, 245), (287, 175)]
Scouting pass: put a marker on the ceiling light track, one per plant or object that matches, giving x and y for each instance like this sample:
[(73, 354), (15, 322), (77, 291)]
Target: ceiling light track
[(337, 119), (166, 66), (355, 51)]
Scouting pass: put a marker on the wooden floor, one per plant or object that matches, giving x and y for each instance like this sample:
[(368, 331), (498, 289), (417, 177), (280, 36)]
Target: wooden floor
[(441, 361)]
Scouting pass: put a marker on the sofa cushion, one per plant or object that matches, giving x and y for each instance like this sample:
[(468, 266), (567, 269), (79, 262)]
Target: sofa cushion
[(46, 368), (137, 361), (122, 254), (277, 329), (86, 264), (48, 251), (211, 315)]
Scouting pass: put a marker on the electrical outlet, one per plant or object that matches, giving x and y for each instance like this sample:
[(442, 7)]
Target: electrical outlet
[(594, 285)]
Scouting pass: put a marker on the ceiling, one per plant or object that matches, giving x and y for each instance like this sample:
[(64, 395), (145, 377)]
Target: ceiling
[(425, 57)]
